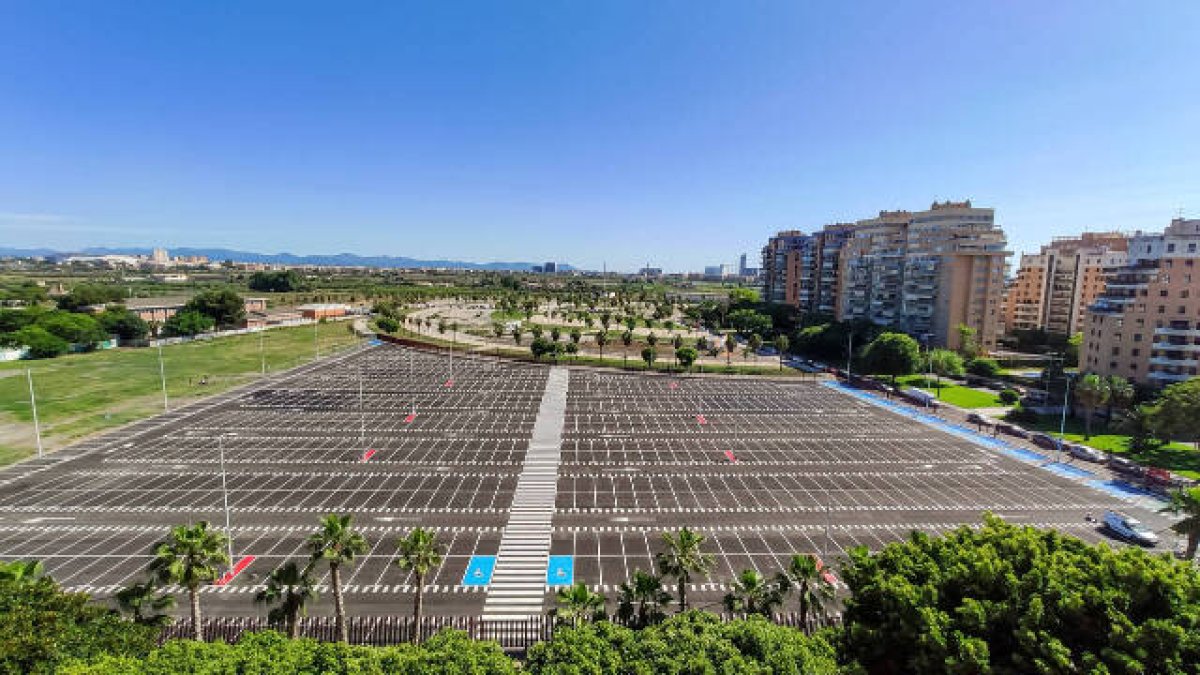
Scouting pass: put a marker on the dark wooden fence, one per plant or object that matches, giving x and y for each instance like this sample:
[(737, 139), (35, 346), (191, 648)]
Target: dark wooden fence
[(514, 635)]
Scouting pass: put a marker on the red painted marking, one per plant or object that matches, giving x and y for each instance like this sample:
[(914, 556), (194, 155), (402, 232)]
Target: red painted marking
[(701, 420), (827, 574), (237, 569), (730, 457), (449, 383), (410, 418), (368, 454), (674, 385)]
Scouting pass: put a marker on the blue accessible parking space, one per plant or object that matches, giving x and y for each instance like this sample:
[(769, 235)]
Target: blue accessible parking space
[(479, 570), (560, 571)]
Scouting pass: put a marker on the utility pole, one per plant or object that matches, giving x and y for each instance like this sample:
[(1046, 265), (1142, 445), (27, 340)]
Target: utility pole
[(362, 415), (262, 354), (849, 353), (37, 427), (162, 376), (1062, 425), (316, 338), (225, 498)]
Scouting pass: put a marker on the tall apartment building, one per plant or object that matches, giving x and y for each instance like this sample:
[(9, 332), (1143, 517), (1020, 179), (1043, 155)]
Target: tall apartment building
[(1053, 288), (1145, 326), (923, 272)]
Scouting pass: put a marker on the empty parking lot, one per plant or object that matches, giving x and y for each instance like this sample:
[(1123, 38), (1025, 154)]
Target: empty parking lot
[(531, 475)]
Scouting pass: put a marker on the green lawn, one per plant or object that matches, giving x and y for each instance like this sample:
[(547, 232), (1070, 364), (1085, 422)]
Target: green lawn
[(956, 395), (81, 394), (1181, 458)]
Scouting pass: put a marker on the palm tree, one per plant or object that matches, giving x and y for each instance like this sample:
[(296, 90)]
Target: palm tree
[(682, 559), (627, 339), (22, 572), (578, 604), (1121, 394), (730, 345), (753, 594), (555, 333), (649, 355), (805, 577), (1187, 504), (1091, 392), (419, 552), (189, 557), (338, 544), (651, 338), (292, 588), (144, 604), (642, 600)]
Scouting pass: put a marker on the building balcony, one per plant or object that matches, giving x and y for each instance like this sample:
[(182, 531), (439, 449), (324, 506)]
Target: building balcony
[(1170, 361), (1170, 346), (1169, 377), (1178, 332)]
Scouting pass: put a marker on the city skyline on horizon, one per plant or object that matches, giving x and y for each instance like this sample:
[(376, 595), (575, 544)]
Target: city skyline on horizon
[(599, 136)]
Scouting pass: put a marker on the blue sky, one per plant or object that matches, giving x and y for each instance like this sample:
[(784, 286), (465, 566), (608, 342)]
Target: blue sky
[(678, 133)]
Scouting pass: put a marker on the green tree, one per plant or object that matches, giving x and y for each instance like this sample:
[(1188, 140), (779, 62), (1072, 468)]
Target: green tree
[(536, 331), (1006, 599), (420, 553), (577, 604), (283, 281), (806, 579), (1091, 392), (144, 604), (225, 307), (944, 362), (1121, 394), (730, 345), (649, 355), (782, 344), (74, 328), (186, 324), (497, 330), (683, 561), (337, 543), (748, 322), (190, 557), (1071, 354), (630, 323), (21, 572), (983, 367), (642, 600), (752, 593), (601, 340), (387, 324), (516, 334), (576, 336), (651, 338), (1176, 414), (892, 354), (83, 296), (291, 587), (41, 343), (754, 344), (686, 356), (123, 323), (555, 333), (1186, 503), (967, 345)]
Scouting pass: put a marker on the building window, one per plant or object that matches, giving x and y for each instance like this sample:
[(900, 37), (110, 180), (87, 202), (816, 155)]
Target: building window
[(1184, 293), (1170, 248), (1135, 352), (1116, 351), (1137, 337), (1162, 293), (1162, 309), (1182, 309)]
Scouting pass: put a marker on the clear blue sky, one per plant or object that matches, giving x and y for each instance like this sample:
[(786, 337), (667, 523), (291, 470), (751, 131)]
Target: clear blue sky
[(679, 133)]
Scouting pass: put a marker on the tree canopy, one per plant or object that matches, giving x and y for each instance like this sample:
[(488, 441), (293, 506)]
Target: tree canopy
[(892, 354), (225, 307), (1176, 414), (1005, 599), (282, 281)]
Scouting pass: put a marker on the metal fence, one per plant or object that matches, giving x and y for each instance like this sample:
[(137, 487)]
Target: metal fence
[(514, 635)]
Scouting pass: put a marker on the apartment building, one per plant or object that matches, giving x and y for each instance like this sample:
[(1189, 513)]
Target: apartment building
[(924, 272), (1054, 287), (1145, 325)]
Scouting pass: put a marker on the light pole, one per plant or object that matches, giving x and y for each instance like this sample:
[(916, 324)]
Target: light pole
[(162, 375), (362, 415), (37, 428), (412, 397), (828, 536), (316, 339), (225, 495), (1062, 425), (849, 353), (262, 354)]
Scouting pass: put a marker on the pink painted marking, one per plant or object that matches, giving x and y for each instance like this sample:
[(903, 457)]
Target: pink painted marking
[(729, 456), (449, 383), (410, 418), (701, 419), (827, 574), (674, 385), (237, 569), (368, 454)]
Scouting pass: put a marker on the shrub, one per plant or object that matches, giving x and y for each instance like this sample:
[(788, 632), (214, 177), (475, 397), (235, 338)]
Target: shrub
[(1009, 397), (983, 367)]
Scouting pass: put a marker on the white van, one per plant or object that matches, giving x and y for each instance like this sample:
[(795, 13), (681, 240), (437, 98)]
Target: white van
[(1129, 529)]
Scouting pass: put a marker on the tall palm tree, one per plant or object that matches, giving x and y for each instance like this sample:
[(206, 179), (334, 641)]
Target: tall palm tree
[(420, 553), (642, 600), (601, 340), (1187, 504), (753, 594), (682, 559), (338, 544), (578, 604), (189, 557), (1091, 392), (144, 605), (805, 577), (292, 588), (22, 572)]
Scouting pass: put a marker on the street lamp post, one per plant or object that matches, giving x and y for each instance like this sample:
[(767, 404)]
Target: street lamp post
[(225, 496), (262, 354), (162, 375), (1062, 425), (37, 427), (849, 353)]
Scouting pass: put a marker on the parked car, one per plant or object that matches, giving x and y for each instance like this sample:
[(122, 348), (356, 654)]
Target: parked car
[(1129, 529), (1126, 466), (1085, 453), (1012, 430), (976, 418), (1045, 441)]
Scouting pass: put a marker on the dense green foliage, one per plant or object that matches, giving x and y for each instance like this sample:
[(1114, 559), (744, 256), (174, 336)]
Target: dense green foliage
[(225, 307), (983, 367), (693, 642), (49, 333), (283, 281), (892, 354), (187, 323), (85, 295), (42, 627), (1008, 599), (271, 653), (1176, 414)]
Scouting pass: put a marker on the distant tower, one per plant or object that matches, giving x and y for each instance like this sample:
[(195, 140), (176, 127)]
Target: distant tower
[(742, 265), (159, 256)]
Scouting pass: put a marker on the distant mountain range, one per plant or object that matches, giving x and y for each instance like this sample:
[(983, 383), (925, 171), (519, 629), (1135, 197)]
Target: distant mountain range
[(335, 259)]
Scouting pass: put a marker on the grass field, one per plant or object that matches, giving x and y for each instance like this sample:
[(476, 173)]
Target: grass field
[(956, 395), (80, 394), (1181, 458)]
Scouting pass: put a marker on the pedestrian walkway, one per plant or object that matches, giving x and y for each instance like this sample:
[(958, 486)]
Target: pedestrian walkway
[(518, 586)]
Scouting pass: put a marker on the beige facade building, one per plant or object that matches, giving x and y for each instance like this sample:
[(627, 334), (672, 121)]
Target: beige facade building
[(1145, 326), (923, 272), (1053, 288)]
